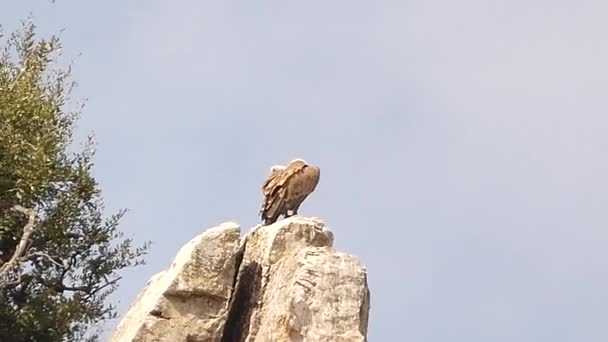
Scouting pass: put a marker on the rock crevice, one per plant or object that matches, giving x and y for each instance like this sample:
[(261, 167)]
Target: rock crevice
[(281, 282)]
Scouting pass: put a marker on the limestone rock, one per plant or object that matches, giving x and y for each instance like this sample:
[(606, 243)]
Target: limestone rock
[(265, 246), (188, 302), (291, 285), (316, 294)]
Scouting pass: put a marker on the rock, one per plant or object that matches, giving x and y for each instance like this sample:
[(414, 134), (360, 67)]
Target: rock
[(316, 294), (265, 246), (188, 302), (291, 285)]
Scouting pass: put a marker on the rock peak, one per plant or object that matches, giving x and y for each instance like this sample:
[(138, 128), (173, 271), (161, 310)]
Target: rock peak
[(281, 282)]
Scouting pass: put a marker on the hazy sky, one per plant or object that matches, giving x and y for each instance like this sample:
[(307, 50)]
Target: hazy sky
[(462, 144)]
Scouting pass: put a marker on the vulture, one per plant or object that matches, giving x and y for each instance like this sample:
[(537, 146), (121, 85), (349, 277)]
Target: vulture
[(286, 188)]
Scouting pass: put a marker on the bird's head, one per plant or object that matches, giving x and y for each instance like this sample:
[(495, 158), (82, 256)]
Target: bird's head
[(298, 160)]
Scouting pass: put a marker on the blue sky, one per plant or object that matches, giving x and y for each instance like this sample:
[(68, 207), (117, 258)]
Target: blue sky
[(462, 145)]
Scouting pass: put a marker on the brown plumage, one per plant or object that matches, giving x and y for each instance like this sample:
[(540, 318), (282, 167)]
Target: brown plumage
[(286, 188)]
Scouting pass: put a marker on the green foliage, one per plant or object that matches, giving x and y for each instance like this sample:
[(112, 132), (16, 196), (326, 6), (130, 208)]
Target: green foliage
[(60, 287)]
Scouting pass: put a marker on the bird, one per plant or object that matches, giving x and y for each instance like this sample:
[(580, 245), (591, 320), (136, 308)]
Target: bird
[(286, 188)]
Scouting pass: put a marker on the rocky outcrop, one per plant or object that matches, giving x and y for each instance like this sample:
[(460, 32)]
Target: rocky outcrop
[(188, 302), (282, 282)]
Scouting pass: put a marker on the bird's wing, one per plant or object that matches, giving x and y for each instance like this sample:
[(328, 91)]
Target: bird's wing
[(275, 193), (302, 183), (271, 182)]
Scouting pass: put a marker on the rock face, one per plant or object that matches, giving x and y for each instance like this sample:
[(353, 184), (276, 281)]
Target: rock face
[(188, 302), (282, 282)]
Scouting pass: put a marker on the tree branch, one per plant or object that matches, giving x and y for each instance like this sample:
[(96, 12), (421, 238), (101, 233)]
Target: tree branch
[(33, 255), (99, 288), (21, 249)]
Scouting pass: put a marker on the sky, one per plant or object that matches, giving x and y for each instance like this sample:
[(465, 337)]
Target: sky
[(462, 144)]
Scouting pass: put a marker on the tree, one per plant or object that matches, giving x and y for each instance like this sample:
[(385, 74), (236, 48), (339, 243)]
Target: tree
[(59, 254)]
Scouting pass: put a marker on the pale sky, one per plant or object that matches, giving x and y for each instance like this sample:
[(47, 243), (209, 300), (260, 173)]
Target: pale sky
[(462, 145)]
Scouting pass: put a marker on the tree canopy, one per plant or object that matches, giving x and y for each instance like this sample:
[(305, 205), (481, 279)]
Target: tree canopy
[(59, 253)]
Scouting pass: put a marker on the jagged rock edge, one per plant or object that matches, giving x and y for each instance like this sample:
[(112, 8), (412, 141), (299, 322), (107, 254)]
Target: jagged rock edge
[(365, 303)]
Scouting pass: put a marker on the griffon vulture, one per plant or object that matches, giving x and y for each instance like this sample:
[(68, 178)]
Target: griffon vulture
[(286, 188)]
